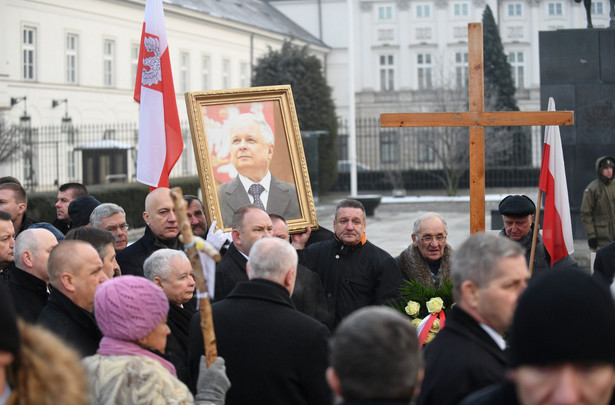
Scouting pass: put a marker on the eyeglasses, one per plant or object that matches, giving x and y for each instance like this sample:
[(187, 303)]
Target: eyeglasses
[(122, 227), (429, 238)]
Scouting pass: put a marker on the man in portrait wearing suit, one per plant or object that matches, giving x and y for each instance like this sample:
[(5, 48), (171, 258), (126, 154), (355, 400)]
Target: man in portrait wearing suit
[(252, 145)]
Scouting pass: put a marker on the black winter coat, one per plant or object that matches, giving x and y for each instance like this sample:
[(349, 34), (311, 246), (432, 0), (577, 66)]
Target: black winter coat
[(29, 294), (353, 276), (462, 359), (72, 324), (131, 259), (177, 342), (274, 354)]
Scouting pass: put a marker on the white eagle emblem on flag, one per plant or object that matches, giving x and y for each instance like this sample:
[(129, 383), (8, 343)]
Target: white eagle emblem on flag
[(154, 74)]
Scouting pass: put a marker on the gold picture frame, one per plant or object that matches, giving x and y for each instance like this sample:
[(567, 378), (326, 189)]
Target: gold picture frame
[(213, 116)]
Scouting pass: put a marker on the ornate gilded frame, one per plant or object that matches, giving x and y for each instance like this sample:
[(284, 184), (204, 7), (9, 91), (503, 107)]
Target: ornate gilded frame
[(278, 100)]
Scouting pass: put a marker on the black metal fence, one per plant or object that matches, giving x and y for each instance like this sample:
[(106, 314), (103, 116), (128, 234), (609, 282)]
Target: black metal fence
[(388, 158)]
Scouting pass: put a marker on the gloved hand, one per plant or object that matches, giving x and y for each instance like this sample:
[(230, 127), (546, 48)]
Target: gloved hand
[(593, 243), (219, 237), (213, 383)]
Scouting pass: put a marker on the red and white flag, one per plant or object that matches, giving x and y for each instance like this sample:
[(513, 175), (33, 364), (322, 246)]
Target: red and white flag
[(160, 137), (556, 224)]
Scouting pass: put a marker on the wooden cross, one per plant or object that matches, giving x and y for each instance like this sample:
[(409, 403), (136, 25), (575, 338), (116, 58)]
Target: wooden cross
[(477, 118)]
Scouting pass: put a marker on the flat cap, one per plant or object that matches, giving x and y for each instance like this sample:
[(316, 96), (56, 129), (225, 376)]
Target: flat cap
[(517, 206)]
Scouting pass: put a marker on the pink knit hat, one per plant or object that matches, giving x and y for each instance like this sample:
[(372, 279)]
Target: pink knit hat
[(129, 307)]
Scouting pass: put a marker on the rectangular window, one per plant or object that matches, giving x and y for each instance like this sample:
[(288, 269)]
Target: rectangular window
[(424, 33), (516, 60), (134, 62), (425, 150), (387, 73), (385, 12), (385, 34), (515, 10), (342, 147), (28, 52), (461, 69), (184, 71), (461, 9), (389, 147), (226, 74), (597, 7), (423, 11), (244, 75), (206, 72), (72, 43), (424, 70), (109, 63), (555, 9)]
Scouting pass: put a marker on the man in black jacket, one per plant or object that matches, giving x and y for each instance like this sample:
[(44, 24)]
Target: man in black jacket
[(354, 272), (29, 278), (274, 354), (161, 232), (75, 271), (489, 273)]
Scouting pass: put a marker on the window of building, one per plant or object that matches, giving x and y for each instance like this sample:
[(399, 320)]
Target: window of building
[(206, 72), (461, 9), (385, 34), (423, 33), (387, 72), (515, 32), (423, 11), (244, 75), (425, 149), (134, 61), (461, 69), (515, 10), (516, 60), (597, 7), (109, 63), (342, 147), (184, 71), (424, 70), (28, 52), (555, 9), (385, 12), (72, 43), (389, 147), (460, 33), (226, 74)]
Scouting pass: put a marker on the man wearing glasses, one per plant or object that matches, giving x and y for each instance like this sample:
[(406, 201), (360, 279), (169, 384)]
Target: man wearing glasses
[(428, 259), (111, 218)]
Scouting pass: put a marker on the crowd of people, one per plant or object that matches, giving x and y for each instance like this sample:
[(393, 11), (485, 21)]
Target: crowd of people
[(299, 319)]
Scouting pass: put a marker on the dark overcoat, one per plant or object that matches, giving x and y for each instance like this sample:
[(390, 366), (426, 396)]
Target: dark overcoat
[(462, 359), (274, 354), (29, 294), (131, 259)]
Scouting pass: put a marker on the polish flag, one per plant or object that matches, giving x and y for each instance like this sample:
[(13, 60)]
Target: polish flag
[(556, 225), (160, 137)]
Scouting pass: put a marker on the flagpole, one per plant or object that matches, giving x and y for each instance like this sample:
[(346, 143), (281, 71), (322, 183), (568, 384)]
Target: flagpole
[(535, 236)]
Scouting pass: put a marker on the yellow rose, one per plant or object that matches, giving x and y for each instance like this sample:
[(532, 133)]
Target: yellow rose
[(430, 337), (435, 305), (435, 326), (416, 322), (413, 308)]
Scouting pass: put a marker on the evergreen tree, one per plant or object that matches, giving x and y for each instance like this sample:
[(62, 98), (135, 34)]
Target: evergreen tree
[(315, 109)]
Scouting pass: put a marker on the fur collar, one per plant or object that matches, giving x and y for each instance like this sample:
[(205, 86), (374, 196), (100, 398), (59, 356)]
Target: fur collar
[(414, 267)]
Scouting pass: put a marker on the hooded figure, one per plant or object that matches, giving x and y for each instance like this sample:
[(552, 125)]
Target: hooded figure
[(598, 206)]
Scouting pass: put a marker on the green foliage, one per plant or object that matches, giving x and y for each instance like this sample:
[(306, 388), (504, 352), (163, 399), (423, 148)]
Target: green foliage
[(315, 109), (415, 291), (499, 84)]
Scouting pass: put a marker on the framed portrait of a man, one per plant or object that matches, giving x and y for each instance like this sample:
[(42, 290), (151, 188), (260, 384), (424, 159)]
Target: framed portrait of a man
[(248, 150)]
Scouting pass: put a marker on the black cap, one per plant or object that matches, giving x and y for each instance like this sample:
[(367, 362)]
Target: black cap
[(517, 206), (80, 209), (564, 316)]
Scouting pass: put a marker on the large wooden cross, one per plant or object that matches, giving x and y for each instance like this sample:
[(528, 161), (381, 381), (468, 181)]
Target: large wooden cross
[(477, 118)]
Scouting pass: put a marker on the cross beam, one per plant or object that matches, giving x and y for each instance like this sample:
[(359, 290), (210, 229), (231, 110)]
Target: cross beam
[(476, 119)]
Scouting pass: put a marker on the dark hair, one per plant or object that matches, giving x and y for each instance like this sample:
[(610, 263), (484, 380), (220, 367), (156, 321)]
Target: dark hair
[(5, 216), (78, 189), (189, 198), (20, 193), (240, 213), (348, 203), (9, 179), (277, 217), (374, 352), (98, 238)]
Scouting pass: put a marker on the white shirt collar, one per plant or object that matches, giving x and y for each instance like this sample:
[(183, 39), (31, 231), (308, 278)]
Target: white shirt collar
[(265, 182), (499, 340)]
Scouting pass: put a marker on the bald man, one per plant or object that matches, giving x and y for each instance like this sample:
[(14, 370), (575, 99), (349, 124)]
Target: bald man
[(29, 278), (75, 272), (161, 232)]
